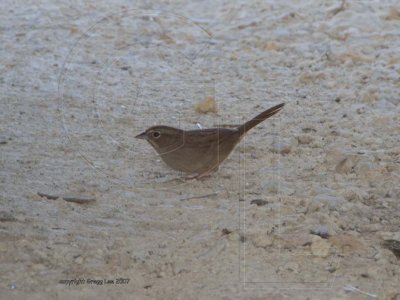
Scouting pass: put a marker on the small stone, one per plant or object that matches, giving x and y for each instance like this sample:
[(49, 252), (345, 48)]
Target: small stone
[(345, 166), (305, 139), (320, 247), (393, 246), (308, 129), (393, 15), (259, 202), (292, 267), (331, 269), (79, 260), (233, 237), (343, 160), (288, 191), (281, 147), (161, 274), (321, 231), (208, 105), (226, 231), (3, 140), (262, 241)]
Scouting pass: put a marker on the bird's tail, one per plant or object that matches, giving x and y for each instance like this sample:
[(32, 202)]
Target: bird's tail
[(261, 117)]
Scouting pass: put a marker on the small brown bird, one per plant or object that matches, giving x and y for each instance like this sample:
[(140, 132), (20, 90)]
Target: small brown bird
[(199, 151)]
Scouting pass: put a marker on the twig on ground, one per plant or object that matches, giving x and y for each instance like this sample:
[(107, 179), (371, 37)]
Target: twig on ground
[(51, 197), (349, 288), (199, 197), (80, 200)]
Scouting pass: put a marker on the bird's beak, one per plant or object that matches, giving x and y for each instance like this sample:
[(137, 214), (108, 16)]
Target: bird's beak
[(142, 136)]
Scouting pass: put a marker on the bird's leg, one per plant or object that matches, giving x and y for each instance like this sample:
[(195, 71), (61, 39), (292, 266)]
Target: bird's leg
[(207, 173), (190, 177)]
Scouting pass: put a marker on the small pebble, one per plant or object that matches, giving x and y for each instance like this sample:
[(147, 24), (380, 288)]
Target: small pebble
[(208, 105), (259, 202), (79, 260), (3, 140), (345, 166), (393, 246), (281, 148), (321, 231), (226, 231), (262, 241), (305, 139)]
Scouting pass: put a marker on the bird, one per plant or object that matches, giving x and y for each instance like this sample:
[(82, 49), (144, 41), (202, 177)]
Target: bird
[(199, 152)]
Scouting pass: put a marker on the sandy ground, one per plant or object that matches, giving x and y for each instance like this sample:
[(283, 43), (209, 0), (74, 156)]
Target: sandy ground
[(307, 207)]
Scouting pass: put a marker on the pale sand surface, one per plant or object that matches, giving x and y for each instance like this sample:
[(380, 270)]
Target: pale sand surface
[(75, 89)]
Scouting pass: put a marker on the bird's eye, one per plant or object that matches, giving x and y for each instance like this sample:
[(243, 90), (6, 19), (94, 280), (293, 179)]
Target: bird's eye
[(156, 134)]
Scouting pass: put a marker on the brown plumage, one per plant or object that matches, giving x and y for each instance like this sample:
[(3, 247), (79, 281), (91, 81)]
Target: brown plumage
[(199, 151)]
